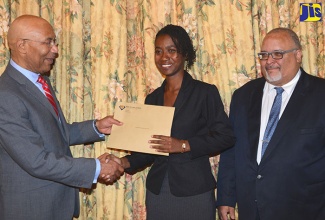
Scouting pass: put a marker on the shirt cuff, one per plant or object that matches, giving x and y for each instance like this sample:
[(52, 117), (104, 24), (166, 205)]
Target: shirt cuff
[(96, 130), (98, 167)]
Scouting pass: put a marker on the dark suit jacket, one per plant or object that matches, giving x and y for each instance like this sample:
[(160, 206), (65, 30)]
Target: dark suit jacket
[(199, 118), (289, 182), (38, 176)]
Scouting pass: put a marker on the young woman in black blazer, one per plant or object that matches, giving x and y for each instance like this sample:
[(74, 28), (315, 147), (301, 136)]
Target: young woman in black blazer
[(181, 185)]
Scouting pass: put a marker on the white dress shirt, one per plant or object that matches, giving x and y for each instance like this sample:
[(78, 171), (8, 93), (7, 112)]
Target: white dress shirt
[(269, 94)]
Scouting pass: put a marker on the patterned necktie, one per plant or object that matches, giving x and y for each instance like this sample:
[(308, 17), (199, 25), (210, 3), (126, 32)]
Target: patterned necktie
[(273, 118), (48, 93)]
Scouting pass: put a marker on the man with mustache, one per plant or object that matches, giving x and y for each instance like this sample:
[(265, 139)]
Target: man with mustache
[(276, 168), (39, 178)]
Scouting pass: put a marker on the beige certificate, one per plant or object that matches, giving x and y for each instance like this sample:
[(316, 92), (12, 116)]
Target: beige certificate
[(140, 121)]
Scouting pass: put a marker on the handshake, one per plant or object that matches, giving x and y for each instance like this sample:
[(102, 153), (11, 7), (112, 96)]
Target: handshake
[(111, 168)]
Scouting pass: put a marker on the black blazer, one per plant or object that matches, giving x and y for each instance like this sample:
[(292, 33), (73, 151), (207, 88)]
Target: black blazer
[(199, 118), (289, 182)]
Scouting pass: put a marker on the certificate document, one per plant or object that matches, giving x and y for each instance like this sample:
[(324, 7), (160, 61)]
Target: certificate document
[(140, 121)]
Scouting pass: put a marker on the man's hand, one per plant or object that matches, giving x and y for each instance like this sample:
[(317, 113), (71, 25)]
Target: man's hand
[(111, 169), (224, 211), (104, 125)]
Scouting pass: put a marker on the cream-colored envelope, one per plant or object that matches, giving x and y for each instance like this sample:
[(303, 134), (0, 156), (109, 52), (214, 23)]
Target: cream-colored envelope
[(140, 122)]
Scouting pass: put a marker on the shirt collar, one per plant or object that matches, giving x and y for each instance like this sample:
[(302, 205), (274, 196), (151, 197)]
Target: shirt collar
[(288, 88), (29, 74)]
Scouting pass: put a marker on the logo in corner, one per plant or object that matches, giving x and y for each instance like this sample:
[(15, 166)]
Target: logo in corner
[(310, 12)]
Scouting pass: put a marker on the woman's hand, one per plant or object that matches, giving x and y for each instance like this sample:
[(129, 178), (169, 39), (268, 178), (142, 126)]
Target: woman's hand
[(166, 144)]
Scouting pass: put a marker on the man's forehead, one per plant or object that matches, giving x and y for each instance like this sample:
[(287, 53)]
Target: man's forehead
[(276, 39)]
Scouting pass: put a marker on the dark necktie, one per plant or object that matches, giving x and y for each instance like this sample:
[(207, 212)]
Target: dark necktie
[(48, 93), (273, 118)]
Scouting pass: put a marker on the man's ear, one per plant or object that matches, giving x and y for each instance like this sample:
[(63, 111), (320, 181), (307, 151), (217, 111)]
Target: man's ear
[(21, 46), (299, 56)]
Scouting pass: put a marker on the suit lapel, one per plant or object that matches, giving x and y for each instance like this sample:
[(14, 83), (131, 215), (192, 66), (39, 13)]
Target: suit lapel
[(254, 119), (37, 94), (61, 119), (31, 88), (184, 92), (34, 91), (289, 115)]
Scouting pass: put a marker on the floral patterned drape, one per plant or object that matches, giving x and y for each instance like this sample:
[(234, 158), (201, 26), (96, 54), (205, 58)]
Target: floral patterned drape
[(106, 55)]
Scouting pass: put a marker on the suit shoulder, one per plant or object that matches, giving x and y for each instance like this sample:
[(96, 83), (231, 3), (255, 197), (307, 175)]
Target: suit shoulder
[(251, 85), (317, 80), (6, 82), (154, 92), (153, 95), (204, 85)]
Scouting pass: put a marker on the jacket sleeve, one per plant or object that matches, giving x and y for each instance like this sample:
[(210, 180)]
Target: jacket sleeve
[(219, 134), (31, 141), (226, 180)]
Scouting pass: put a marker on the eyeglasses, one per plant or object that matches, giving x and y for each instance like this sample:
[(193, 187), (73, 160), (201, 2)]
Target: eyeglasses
[(277, 54), (50, 42)]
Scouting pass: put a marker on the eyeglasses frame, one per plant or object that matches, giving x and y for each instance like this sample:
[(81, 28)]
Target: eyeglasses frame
[(53, 42), (282, 52)]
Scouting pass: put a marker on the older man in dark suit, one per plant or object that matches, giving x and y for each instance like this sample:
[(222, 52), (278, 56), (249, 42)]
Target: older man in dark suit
[(276, 168), (39, 179)]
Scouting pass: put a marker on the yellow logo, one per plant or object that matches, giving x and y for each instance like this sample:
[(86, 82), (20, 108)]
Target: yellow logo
[(310, 11)]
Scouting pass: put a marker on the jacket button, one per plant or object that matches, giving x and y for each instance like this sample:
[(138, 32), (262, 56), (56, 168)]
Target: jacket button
[(259, 176)]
